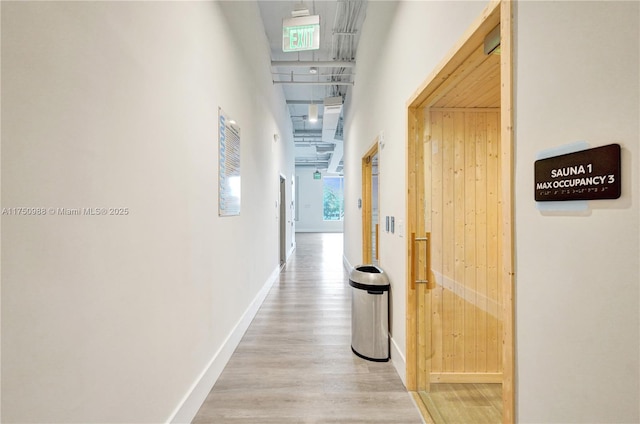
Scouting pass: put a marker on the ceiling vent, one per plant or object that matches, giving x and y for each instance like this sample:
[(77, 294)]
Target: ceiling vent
[(333, 104), (328, 147)]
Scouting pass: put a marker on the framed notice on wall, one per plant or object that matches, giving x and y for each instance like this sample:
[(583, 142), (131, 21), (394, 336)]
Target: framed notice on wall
[(589, 174), (228, 166)]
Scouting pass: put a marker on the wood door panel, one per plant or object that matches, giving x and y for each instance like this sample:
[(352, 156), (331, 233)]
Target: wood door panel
[(462, 214)]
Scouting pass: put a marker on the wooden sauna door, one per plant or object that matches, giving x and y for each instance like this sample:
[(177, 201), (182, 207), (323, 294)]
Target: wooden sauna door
[(459, 325), (370, 215)]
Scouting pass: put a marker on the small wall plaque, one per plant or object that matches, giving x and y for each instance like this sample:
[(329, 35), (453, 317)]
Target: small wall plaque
[(585, 175)]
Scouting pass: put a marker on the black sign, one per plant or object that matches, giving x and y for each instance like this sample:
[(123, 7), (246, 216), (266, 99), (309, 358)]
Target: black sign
[(584, 175)]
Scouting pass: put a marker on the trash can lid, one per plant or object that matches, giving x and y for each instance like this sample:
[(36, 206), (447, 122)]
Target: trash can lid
[(369, 274)]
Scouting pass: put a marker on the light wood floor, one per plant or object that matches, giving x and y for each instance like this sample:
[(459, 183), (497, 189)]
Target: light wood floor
[(295, 365), (449, 403)]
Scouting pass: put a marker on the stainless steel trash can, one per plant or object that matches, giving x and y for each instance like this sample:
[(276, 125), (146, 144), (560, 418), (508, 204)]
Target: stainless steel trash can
[(369, 313)]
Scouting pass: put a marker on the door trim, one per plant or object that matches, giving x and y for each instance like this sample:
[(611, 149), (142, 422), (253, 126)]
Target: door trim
[(496, 13), (282, 218), (367, 202)]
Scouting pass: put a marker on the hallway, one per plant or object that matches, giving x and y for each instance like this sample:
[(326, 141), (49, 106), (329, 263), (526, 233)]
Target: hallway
[(294, 364)]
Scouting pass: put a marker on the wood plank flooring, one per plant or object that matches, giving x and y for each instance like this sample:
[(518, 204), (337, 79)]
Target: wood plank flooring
[(450, 403), (295, 365)]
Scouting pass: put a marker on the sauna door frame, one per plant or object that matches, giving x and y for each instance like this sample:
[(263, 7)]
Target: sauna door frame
[(367, 204), (496, 13), (282, 218)]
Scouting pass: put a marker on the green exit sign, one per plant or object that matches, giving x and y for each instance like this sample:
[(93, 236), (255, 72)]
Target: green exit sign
[(301, 33)]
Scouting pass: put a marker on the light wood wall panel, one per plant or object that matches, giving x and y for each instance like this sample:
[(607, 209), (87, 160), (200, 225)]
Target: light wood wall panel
[(436, 223), (463, 216), (423, 197)]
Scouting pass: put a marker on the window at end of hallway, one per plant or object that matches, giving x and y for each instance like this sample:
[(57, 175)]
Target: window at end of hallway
[(333, 198)]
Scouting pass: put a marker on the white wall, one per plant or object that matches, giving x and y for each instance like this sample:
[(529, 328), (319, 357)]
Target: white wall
[(398, 52), (310, 204), (115, 104), (577, 277), (577, 301)]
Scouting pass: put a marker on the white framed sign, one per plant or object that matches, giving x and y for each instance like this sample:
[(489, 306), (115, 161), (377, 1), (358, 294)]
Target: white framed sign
[(229, 186)]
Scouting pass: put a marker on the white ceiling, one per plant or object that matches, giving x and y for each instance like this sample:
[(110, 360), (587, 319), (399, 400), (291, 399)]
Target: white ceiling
[(319, 144)]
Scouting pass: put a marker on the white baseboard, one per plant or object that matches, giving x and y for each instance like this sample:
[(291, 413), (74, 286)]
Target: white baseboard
[(399, 361), (346, 263), (293, 247), (195, 397)]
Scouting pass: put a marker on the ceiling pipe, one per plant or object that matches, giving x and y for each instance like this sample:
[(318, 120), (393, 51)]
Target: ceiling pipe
[(310, 63), (323, 164), (307, 132), (309, 75), (314, 83), (304, 102), (315, 143)]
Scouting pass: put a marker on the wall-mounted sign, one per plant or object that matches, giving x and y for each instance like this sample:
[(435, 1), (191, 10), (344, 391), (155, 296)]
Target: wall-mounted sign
[(228, 166), (301, 33), (585, 175)]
